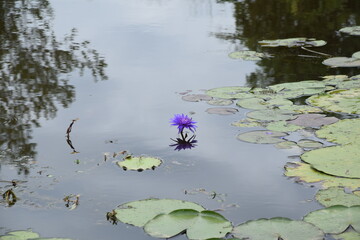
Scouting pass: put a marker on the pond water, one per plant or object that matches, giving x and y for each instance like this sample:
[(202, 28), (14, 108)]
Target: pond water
[(125, 83)]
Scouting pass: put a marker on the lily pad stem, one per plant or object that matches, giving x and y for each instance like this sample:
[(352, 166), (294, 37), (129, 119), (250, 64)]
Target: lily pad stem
[(312, 51)]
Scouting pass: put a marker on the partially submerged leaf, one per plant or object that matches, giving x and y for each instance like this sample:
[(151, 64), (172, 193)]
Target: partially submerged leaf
[(292, 42), (247, 122), (229, 92), (277, 228), (336, 196), (354, 30), (220, 102), (139, 163), (342, 132), (138, 213), (282, 126), (247, 55), (259, 103), (308, 143), (312, 120), (293, 90), (198, 225), (271, 115), (262, 137), (342, 62), (196, 97), (343, 161), (20, 235), (222, 111), (335, 219)]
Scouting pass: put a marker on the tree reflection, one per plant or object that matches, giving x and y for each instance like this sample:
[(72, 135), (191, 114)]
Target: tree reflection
[(33, 69), (257, 20)]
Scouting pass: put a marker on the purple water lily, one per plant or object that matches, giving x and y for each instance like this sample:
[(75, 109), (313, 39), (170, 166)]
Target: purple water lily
[(183, 122)]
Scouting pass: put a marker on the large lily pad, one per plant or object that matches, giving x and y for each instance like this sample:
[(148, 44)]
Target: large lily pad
[(247, 55), (343, 132), (337, 196), (344, 101), (354, 30), (309, 143), (138, 213), (277, 228), (196, 97), (198, 225), (312, 120), (342, 62), (298, 89), (222, 110), (139, 163), (335, 219), (282, 126), (292, 42), (262, 137), (230, 92), (347, 236), (351, 83), (356, 55), (259, 103), (247, 122), (301, 109), (271, 115), (303, 172), (26, 235), (220, 102), (343, 161)]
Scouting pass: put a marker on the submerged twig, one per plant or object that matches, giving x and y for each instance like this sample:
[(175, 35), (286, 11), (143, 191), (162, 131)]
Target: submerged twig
[(68, 131), (10, 197), (312, 51)]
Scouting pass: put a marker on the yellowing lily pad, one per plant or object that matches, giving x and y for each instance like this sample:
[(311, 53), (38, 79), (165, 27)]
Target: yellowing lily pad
[(335, 219), (343, 161), (337, 196), (198, 225), (277, 228), (262, 137), (292, 42), (354, 30), (342, 132), (344, 101), (305, 173), (230, 92), (138, 213), (139, 163), (247, 55)]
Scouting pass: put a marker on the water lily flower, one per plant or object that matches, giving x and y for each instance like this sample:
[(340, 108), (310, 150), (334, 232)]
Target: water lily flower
[(183, 122)]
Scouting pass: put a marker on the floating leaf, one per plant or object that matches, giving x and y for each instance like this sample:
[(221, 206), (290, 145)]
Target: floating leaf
[(286, 145), (198, 225), (277, 228), (342, 132), (247, 122), (347, 236), (312, 120), (355, 30), (196, 97), (356, 55), (304, 172), (292, 42), (138, 213), (222, 111), (352, 83), (271, 115), (139, 163), (230, 92), (336, 196), (282, 126), (335, 219), (301, 108), (19, 235), (298, 89), (259, 103), (343, 161), (262, 137), (342, 62), (308, 143), (220, 102), (247, 55)]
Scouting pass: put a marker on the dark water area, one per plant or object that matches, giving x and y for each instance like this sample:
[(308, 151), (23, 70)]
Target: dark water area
[(120, 68)]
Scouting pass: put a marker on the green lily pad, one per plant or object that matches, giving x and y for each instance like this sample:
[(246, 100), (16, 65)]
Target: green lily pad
[(308, 143), (230, 92), (342, 132), (138, 213), (342, 62), (19, 235), (356, 55), (222, 111), (336, 196), (335, 219), (292, 42), (347, 236), (355, 30), (356, 77), (301, 109), (271, 115), (286, 145), (312, 120), (343, 101), (298, 89), (303, 172), (262, 137), (351, 83), (247, 55), (196, 97), (139, 163), (258, 103), (343, 161), (282, 126), (277, 228), (247, 122), (220, 102), (198, 225)]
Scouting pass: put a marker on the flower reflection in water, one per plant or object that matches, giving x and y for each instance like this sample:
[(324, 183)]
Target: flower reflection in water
[(182, 144)]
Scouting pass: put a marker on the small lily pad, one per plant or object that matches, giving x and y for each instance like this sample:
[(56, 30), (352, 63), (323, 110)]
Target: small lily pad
[(351, 83), (301, 109), (138, 213), (337, 196), (247, 122), (293, 90), (286, 145), (198, 225), (292, 42), (196, 97), (277, 228), (305, 173), (312, 120), (271, 115), (342, 62), (355, 30), (259, 103), (283, 126), (139, 163), (222, 111), (19, 235), (262, 137), (344, 101), (230, 92), (220, 102), (308, 143), (343, 161), (335, 219), (247, 55), (342, 132), (356, 55)]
